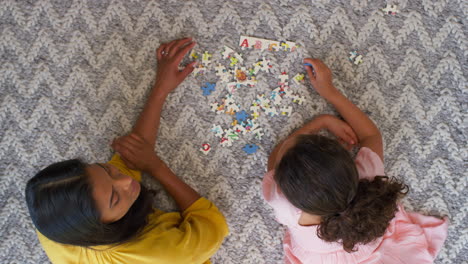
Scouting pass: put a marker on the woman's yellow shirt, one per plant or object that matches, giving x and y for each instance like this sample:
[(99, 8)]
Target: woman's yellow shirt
[(192, 236)]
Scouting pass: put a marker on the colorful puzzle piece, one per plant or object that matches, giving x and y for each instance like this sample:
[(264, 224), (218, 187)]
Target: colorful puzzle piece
[(206, 58), (208, 88), (286, 111), (205, 148), (242, 116), (265, 44), (355, 58), (299, 78), (390, 9), (217, 130), (250, 148), (283, 77)]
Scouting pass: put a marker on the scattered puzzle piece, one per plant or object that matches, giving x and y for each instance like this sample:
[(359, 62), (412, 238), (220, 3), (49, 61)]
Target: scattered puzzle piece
[(217, 130), (241, 116), (193, 55), (286, 111), (355, 58), (299, 78), (390, 9), (298, 99), (226, 52), (208, 88), (283, 77), (205, 148), (226, 142), (206, 58), (250, 148), (199, 70)]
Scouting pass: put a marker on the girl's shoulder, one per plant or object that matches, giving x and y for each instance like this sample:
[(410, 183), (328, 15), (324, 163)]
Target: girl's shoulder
[(368, 164)]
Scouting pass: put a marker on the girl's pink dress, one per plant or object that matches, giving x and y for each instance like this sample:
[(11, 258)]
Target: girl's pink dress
[(410, 238)]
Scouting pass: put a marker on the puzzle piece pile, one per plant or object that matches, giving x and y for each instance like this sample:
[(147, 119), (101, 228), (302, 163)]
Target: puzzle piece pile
[(234, 75), (271, 105)]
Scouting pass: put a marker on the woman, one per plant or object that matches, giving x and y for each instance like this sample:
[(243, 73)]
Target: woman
[(100, 213)]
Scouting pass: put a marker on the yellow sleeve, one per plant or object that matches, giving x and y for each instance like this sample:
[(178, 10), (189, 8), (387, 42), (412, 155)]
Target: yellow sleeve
[(191, 237), (118, 162)]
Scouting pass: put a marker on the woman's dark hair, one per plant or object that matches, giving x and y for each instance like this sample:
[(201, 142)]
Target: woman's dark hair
[(319, 176), (62, 208)]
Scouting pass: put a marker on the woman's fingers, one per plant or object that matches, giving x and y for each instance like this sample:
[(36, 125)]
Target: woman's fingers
[(181, 43), (183, 51), (188, 69), (159, 51), (350, 132), (174, 45)]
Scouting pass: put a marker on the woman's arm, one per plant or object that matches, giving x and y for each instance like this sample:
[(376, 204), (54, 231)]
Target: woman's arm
[(366, 131), (168, 77), (138, 154)]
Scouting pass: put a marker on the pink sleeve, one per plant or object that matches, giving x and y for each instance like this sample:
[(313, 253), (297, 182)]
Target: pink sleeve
[(369, 164), (285, 212)]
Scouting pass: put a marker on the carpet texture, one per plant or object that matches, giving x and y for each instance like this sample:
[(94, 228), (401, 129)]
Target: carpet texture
[(74, 75)]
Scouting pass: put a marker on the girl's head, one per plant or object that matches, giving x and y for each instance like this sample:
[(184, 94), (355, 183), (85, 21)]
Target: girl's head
[(319, 176), (71, 202)]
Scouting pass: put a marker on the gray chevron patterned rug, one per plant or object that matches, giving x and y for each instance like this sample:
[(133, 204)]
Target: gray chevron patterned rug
[(74, 75)]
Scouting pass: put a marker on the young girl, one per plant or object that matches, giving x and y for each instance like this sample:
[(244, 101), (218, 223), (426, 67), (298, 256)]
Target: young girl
[(101, 214), (338, 210)]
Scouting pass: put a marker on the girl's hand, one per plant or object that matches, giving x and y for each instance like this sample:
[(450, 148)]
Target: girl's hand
[(135, 152), (169, 56), (342, 131), (321, 78)]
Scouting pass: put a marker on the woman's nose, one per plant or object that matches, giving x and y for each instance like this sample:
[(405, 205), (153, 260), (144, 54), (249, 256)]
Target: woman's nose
[(124, 181)]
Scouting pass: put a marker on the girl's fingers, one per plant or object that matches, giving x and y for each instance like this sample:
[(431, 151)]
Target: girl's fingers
[(129, 164), (351, 134), (122, 144), (137, 138)]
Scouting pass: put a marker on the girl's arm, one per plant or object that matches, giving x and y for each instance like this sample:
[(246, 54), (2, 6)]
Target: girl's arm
[(340, 129), (168, 77), (366, 131), (138, 154)]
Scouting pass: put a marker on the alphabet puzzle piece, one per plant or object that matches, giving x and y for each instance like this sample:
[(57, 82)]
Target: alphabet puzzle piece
[(205, 149), (266, 44)]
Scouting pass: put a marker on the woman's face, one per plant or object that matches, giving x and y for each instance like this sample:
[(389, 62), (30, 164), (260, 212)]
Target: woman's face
[(113, 191)]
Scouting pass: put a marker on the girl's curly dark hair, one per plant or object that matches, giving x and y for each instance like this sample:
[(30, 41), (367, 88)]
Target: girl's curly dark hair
[(319, 176)]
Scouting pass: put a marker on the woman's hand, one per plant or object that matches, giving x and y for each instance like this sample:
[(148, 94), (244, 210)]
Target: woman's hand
[(135, 152), (341, 130), (321, 78), (169, 56)]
